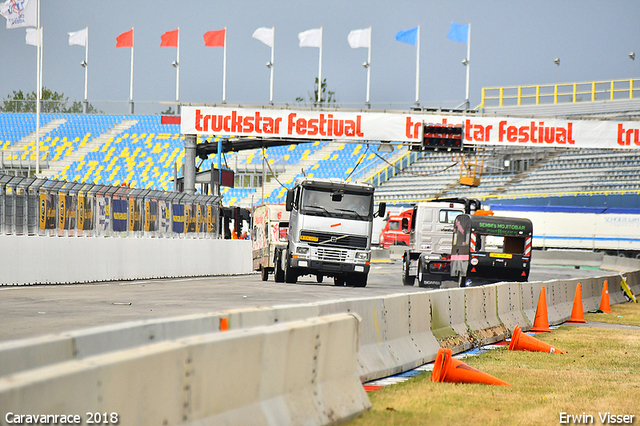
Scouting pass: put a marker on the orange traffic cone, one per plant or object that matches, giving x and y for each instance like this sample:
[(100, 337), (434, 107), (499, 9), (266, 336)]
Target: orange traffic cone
[(449, 369), (605, 306), (577, 313), (541, 322), (523, 342)]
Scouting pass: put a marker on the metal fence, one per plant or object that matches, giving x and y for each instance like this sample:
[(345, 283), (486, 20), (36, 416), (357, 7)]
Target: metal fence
[(30, 206)]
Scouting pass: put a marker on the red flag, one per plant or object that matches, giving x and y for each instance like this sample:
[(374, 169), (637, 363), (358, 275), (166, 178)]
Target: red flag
[(169, 39), (214, 38), (125, 39)]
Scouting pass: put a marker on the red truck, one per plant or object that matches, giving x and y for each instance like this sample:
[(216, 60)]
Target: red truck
[(396, 230)]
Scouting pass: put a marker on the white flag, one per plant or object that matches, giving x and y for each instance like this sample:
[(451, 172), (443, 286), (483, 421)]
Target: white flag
[(359, 38), (311, 38), (79, 37), (265, 35), (32, 36), (19, 13)]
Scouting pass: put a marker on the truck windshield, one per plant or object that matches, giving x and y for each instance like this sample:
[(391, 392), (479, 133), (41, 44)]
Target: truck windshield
[(337, 204)]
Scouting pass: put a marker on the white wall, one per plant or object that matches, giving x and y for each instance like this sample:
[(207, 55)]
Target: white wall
[(51, 260)]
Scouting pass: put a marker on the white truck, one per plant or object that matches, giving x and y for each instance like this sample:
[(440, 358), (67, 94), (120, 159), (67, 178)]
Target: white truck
[(431, 235), (270, 225), (329, 231)]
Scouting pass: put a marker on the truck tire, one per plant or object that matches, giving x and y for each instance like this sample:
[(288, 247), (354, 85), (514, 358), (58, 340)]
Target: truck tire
[(290, 276), (264, 274), (339, 281), (279, 272), (420, 276), (406, 278), (462, 281), (358, 280)]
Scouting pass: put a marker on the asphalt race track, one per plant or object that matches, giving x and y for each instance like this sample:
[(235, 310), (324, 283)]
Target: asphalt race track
[(37, 310)]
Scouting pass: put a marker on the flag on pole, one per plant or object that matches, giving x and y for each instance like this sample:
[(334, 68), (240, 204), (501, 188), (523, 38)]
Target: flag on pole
[(458, 32), (169, 39), (359, 38), (79, 38), (32, 37), (265, 35), (408, 36), (311, 38), (125, 39), (20, 13), (214, 38)]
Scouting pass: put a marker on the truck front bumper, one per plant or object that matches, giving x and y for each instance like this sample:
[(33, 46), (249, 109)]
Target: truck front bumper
[(328, 268)]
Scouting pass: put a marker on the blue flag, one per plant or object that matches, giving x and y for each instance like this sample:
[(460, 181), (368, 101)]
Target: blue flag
[(458, 32), (408, 36)]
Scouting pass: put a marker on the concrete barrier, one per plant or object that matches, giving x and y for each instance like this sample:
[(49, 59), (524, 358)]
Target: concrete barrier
[(509, 306), (19, 355), (50, 260), (287, 374), (448, 319)]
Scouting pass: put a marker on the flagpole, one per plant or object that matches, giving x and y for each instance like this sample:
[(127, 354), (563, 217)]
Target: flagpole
[(131, 79), (178, 74), (273, 44), (38, 90), (86, 70), (369, 69), (319, 94), (224, 70), (418, 66), (468, 64)]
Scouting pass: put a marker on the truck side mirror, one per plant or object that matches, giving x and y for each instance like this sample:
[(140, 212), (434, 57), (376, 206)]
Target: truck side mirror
[(289, 200), (382, 208)]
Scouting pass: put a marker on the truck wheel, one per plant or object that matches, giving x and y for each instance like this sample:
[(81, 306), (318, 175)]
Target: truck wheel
[(406, 278), (359, 280), (339, 281), (264, 274), (290, 276), (319, 278), (462, 281), (420, 276), (279, 272)]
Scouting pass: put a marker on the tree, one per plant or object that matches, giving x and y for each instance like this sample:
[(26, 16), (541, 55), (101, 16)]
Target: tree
[(326, 96), (51, 102)]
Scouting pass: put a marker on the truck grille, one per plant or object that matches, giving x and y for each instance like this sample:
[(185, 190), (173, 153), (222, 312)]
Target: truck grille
[(333, 240), (332, 255)]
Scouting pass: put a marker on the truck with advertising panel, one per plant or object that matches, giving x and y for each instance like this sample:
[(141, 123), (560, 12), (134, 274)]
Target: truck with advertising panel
[(270, 225), (491, 247), (330, 226), (456, 240)]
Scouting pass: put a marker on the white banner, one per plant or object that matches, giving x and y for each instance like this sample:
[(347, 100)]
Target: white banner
[(398, 127)]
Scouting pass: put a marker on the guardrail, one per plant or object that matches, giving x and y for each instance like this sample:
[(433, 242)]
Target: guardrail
[(557, 93), (30, 206), (397, 332)]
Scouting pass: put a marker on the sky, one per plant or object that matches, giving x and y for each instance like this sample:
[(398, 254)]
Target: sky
[(512, 43)]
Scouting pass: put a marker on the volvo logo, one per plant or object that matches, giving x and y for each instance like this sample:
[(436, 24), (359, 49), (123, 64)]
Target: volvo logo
[(334, 239)]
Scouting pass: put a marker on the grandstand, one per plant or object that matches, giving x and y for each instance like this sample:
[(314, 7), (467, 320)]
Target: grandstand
[(139, 151)]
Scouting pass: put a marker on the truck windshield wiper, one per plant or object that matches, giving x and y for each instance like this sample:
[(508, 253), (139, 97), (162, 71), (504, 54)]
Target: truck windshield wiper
[(318, 207), (352, 211)]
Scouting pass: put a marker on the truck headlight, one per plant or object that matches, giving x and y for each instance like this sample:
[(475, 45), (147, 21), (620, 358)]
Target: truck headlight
[(362, 255), (302, 250)]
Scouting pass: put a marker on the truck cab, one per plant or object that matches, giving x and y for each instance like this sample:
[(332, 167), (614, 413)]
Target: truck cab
[(396, 230), (329, 233)]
